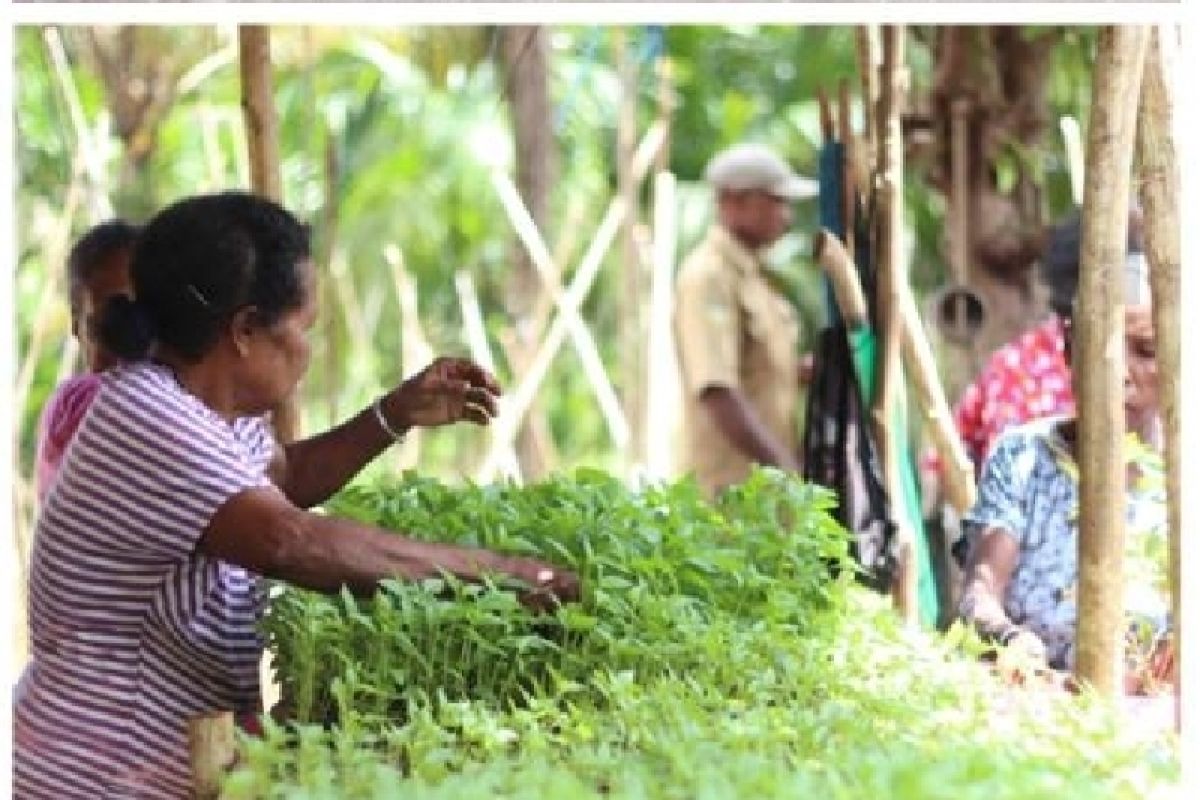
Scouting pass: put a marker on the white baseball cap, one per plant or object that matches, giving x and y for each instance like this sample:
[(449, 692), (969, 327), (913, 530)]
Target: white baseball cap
[(749, 166)]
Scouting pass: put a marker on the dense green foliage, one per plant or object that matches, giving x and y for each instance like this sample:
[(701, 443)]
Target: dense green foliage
[(412, 120), (655, 565), (713, 655)]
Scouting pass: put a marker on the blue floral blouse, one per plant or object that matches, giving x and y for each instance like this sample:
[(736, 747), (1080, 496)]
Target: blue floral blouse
[(1029, 489)]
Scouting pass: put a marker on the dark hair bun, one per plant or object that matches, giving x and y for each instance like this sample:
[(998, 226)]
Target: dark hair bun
[(125, 328)]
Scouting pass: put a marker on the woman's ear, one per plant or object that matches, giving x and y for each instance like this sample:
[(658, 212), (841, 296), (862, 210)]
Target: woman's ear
[(242, 327)]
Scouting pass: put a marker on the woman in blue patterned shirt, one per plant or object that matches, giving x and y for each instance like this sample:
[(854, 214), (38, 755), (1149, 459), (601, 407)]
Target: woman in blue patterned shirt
[(1022, 533)]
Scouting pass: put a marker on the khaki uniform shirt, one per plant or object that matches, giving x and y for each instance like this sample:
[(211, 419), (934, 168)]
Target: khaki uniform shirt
[(733, 329)]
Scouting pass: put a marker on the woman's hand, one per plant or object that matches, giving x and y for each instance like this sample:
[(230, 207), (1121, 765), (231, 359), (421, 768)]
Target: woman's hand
[(447, 391), (1022, 658), (548, 585)]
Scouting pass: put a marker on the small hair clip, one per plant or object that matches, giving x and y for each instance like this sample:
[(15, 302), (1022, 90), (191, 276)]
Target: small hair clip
[(199, 297)]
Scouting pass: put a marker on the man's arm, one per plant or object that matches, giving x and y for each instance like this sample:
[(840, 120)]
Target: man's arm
[(741, 425)]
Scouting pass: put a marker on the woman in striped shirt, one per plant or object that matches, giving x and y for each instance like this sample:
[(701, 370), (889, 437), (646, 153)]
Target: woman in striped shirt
[(174, 501)]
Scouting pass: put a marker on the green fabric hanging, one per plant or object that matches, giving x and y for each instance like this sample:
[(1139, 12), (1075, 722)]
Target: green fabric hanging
[(864, 349)]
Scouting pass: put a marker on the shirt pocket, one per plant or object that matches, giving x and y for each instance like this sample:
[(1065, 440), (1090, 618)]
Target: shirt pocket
[(772, 330)]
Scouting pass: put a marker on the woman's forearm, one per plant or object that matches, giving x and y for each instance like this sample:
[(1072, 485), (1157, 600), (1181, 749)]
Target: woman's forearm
[(333, 553), (991, 568), (261, 531), (318, 467), (982, 608)]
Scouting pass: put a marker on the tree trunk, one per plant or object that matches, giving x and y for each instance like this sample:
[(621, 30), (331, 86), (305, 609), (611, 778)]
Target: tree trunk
[(986, 109), (524, 55), (1100, 356), (1160, 202), (140, 68)]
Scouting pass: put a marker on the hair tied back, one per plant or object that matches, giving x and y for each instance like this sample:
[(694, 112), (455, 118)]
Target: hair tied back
[(126, 328)]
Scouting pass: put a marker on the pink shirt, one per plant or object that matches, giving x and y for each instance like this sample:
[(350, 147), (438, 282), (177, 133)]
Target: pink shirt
[(65, 409)]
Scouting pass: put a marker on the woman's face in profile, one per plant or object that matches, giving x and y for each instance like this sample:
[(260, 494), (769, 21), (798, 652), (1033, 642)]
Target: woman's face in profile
[(1141, 367), (280, 353), (1140, 386)]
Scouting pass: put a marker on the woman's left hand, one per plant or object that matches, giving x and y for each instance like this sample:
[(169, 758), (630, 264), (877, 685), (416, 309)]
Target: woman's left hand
[(447, 391)]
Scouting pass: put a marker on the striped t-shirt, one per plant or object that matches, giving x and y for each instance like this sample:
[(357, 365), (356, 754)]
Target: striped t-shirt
[(132, 631)]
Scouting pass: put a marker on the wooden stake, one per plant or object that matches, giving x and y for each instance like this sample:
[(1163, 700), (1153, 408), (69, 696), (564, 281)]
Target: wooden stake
[(477, 341), (633, 293), (258, 106), (212, 744), (1160, 183), (1100, 356), (262, 144), (585, 345), (662, 371), (918, 361), (828, 133), (846, 137), (415, 350), (866, 39), (892, 276), (516, 405), (843, 277)]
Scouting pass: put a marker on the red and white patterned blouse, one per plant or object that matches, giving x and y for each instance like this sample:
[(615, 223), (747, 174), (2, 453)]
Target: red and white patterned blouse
[(1027, 379)]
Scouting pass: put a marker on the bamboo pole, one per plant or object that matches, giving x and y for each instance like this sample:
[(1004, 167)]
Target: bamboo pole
[(960, 207), (845, 134), (212, 744), (258, 106), (828, 131), (1073, 145), (333, 330), (839, 267), (477, 341), (632, 291), (415, 350), (615, 418), (262, 144), (661, 369), (891, 278), (1098, 345), (918, 362), (1159, 187), (666, 109), (514, 408), (866, 39)]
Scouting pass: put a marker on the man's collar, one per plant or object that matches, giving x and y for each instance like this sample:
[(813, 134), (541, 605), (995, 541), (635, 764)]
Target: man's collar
[(746, 260)]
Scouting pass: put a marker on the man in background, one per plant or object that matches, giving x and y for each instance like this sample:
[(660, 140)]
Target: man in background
[(736, 333)]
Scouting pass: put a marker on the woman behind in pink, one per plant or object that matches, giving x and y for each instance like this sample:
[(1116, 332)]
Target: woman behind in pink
[(97, 269)]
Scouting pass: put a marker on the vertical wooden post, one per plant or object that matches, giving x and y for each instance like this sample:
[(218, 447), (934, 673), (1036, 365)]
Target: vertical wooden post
[(1160, 200), (845, 134), (891, 278), (1100, 354), (258, 106), (212, 743), (866, 39), (632, 293), (262, 143), (662, 371)]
